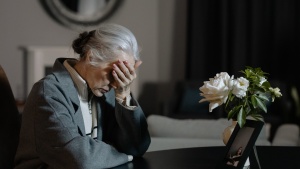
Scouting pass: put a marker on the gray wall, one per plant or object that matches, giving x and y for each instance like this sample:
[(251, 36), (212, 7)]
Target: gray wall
[(159, 27)]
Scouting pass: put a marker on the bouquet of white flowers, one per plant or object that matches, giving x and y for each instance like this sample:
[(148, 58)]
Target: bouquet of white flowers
[(243, 97)]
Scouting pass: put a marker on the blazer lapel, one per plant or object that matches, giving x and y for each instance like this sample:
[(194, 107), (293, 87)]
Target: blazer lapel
[(99, 102), (65, 79), (72, 93), (79, 121), (106, 100)]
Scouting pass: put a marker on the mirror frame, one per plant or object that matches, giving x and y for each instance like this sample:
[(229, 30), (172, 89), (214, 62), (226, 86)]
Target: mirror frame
[(57, 10)]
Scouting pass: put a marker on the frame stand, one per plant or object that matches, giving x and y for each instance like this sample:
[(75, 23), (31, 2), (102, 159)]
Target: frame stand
[(254, 159)]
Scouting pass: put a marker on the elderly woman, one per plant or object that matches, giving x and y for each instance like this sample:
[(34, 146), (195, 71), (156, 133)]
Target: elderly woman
[(72, 119)]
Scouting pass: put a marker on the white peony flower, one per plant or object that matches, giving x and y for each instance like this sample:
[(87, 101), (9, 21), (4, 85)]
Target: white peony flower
[(262, 80), (216, 90), (244, 96), (240, 87), (276, 92)]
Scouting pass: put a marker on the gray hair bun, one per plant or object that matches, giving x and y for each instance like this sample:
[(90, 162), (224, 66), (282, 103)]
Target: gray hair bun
[(79, 43)]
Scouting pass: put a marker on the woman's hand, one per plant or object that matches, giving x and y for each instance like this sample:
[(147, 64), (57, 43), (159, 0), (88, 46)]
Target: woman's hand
[(124, 74)]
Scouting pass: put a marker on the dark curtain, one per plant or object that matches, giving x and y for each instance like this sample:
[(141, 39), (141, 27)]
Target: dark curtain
[(227, 35)]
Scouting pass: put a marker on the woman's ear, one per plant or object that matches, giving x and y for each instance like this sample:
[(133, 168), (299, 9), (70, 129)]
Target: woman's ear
[(88, 56), (137, 64)]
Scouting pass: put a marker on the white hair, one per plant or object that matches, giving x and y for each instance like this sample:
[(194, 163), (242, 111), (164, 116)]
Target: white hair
[(107, 43)]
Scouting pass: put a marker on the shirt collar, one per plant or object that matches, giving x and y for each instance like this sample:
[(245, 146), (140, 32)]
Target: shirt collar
[(80, 83)]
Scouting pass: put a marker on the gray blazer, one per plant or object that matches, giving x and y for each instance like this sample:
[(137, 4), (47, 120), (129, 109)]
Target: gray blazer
[(53, 134)]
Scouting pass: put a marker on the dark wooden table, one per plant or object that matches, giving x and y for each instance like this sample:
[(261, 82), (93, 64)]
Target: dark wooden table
[(270, 157)]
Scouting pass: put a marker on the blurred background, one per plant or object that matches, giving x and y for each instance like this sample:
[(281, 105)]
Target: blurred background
[(184, 42)]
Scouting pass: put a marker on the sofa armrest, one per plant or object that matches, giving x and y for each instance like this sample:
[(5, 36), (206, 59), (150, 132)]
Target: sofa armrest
[(287, 135)]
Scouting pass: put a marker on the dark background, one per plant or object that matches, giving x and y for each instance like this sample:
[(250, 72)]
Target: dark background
[(227, 35)]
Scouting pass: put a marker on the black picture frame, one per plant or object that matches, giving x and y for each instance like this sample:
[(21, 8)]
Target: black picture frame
[(241, 138)]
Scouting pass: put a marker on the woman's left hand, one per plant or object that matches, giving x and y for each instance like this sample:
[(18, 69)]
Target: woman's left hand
[(124, 74)]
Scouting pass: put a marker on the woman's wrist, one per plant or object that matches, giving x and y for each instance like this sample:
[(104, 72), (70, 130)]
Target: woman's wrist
[(122, 95)]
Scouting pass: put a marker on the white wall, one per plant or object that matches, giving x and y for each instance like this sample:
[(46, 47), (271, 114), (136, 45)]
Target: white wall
[(154, 22), (24, 23)]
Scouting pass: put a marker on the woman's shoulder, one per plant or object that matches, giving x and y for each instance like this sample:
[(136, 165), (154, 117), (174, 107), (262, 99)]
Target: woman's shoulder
[(52, 85)]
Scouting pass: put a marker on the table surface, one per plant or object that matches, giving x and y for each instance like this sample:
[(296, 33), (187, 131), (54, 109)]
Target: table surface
[(270, 157)]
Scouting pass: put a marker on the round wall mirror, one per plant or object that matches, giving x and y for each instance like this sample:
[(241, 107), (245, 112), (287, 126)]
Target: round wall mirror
[(80, 14)]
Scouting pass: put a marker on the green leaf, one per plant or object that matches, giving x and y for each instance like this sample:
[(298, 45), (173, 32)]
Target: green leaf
[(232, 112), (263, 97), (257, 117), (254, 101), (241, 118), (261, 104), (266, 85)]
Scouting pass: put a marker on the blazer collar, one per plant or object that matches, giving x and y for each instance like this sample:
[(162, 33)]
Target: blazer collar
[(68, 86), (64, 78)]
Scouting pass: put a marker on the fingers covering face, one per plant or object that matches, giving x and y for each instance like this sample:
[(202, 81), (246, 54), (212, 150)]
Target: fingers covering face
[(123, 73)]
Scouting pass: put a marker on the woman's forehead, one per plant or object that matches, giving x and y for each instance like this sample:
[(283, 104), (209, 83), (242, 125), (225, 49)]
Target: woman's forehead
[(130, 60), (125, 57)]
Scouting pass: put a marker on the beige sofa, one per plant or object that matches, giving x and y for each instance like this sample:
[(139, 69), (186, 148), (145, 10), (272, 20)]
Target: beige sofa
[(168, 133)]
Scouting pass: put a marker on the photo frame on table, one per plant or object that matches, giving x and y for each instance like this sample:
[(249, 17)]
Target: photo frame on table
[(240, 145)]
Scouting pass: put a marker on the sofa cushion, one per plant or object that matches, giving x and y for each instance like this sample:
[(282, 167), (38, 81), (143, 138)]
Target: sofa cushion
[(166, 143), (162, 126), (287, 135)]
